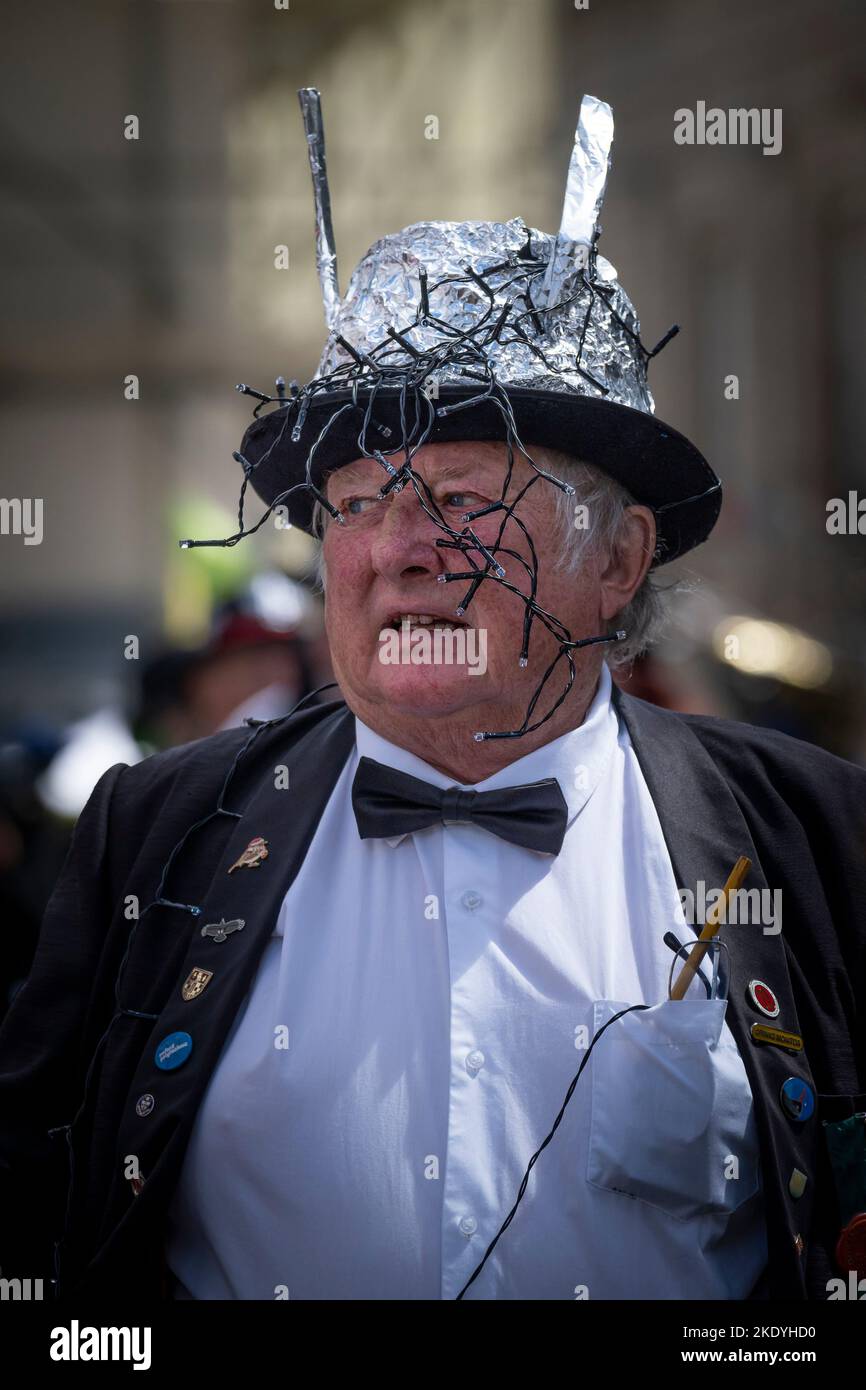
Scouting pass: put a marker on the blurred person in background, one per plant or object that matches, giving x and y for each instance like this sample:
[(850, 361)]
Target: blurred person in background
[(256, 663), (33, 845)]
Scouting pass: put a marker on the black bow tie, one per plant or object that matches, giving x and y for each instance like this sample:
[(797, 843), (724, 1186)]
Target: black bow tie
[(387, 802)]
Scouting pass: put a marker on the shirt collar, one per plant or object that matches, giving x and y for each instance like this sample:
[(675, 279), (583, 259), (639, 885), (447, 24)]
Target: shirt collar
[(577, 759)]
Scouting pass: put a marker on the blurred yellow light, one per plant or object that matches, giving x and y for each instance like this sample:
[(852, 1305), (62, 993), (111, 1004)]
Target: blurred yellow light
[(760, 648)]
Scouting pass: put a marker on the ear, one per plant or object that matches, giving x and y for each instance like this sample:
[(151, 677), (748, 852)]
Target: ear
[(628, 562)]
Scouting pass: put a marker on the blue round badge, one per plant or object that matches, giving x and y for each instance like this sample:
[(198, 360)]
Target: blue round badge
[(173, 1051), (798, 1098)]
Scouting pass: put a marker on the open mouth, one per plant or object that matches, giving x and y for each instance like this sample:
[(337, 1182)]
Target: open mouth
[(422, 620)]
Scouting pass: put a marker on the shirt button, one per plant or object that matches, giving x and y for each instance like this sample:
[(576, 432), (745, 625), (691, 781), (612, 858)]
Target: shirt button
[(475, 1060), (471, 899), (468, 1225)]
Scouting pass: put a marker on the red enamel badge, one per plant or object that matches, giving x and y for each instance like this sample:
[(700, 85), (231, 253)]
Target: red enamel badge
[(763, 998)]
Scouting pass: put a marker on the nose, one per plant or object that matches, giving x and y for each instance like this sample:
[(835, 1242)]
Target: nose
[(405, 539)]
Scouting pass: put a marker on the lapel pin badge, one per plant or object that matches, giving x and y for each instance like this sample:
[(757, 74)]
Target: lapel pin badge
[(797, 1183), (776, 1037), (196, 983), (222, 930), (144, 1104), (173, 1051), (255, 852), (797, 1099), (763, 998)]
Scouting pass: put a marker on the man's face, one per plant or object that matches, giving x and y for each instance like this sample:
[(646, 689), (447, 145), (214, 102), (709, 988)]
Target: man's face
[(384, 563)]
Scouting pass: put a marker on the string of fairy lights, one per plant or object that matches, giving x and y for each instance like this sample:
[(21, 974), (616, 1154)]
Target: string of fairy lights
[(406, 371)]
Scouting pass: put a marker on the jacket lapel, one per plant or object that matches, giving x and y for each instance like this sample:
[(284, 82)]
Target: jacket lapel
[(286, 816), (706, 832)]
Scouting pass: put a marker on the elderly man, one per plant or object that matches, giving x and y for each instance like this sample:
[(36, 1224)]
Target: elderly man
[(396, 996)]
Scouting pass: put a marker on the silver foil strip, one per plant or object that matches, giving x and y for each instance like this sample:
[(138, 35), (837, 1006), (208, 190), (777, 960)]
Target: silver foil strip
[(584, 194), (326, 255)]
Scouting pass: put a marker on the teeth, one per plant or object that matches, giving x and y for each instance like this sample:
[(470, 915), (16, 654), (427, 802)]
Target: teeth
[(426, 620)]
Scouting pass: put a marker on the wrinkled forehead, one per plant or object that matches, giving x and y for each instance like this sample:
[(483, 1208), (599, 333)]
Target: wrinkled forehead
[(460, 460)]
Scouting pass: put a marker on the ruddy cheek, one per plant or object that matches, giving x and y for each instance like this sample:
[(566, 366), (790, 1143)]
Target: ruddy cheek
[(348, 560)]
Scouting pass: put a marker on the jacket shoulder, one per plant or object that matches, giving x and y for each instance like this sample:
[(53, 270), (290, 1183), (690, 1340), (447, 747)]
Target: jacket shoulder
[(750, 757), (208, 760), (751, 745)]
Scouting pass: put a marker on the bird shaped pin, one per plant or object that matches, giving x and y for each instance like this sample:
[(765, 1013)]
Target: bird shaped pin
[(221, 930), (255, 852)]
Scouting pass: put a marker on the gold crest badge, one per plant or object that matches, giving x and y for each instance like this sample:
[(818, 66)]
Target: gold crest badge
[(195, 983), (255, 852)]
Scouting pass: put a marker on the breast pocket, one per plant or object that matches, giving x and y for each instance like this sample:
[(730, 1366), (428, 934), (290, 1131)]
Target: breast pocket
[(672, 1120)]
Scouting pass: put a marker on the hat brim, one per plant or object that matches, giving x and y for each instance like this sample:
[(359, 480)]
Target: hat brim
[(659, 467)]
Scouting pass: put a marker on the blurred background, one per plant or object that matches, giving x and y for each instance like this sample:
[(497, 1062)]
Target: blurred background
[(141, 286)]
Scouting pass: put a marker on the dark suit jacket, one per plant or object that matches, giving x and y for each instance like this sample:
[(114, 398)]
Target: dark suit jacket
[(77, 1047)]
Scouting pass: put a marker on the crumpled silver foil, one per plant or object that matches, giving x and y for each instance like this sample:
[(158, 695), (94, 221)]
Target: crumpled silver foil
[(586, 347)]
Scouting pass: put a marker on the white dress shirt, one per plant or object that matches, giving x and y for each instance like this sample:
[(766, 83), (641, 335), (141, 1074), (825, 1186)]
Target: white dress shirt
[(438, 990)]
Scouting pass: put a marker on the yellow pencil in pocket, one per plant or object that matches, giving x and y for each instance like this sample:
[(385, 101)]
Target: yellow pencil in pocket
[(711, 926)]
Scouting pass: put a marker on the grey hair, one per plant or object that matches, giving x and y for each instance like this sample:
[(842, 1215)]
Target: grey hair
[(606, 502)]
